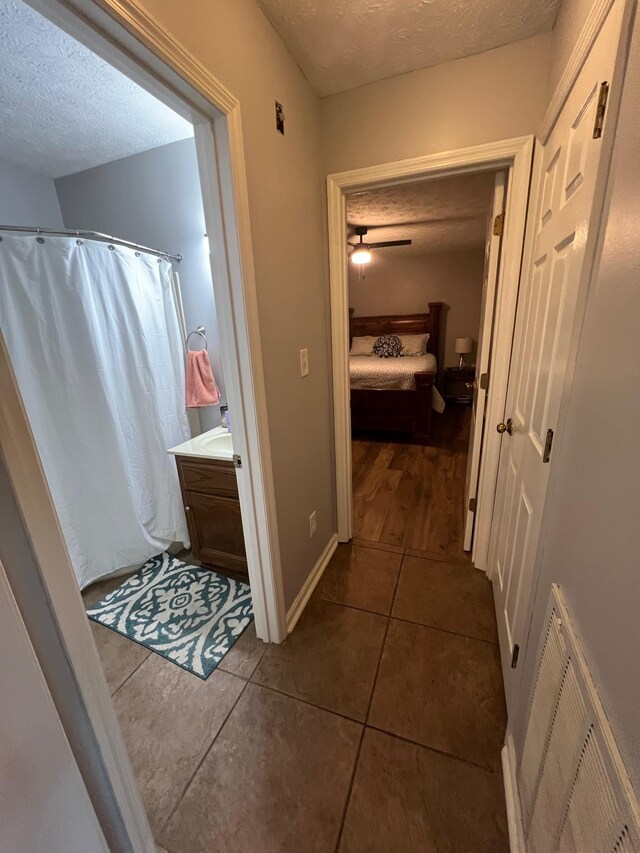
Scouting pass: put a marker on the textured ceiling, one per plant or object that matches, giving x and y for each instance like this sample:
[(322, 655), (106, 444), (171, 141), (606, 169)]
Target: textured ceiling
[(342, 45), (62, 108), (442, 215)]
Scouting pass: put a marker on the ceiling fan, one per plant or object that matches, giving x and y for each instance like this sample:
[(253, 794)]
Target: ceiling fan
[(362, 251)]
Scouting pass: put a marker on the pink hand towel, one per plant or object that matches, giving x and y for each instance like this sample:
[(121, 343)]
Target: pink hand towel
[(201, 386)]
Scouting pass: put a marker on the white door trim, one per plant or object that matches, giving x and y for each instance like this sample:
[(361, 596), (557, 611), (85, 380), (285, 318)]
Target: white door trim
[(514, 155), (214, 108)]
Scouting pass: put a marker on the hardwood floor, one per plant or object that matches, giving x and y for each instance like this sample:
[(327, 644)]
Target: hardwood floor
[(410, 496)]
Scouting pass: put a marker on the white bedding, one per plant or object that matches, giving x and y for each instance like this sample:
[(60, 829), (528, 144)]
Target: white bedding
[(398, 373), (372, 372)]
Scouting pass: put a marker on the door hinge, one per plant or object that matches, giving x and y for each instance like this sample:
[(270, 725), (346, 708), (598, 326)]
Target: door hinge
[(237, 460), (498, 225), (484, 381), (473, 503), (601, 108), (547, 446), (514, 656)]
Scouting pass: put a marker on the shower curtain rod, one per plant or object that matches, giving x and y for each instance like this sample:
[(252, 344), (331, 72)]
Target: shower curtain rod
[(90, 235)]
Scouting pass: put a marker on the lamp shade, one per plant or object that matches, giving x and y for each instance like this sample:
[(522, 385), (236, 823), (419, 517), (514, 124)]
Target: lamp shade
[(464, 345)]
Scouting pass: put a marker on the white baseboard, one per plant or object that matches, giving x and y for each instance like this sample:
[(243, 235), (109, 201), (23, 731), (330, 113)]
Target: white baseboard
[(301, 599), (514, 814)]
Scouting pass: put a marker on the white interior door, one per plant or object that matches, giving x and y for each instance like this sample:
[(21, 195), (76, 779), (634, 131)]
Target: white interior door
[(489, 287), (559, 223)]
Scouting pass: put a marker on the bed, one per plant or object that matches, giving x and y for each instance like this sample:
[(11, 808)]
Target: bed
[(395, 394)]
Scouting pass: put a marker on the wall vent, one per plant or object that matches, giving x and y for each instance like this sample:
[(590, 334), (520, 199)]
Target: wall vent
[(575, 794)]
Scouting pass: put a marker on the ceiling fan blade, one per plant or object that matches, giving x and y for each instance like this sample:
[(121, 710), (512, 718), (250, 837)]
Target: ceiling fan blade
[(387, 243)]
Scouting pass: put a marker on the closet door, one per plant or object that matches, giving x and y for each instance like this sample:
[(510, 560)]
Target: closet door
[(559, 231)]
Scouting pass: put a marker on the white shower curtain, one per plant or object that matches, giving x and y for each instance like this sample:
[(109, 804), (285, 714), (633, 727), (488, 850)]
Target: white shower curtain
[(95, 344)]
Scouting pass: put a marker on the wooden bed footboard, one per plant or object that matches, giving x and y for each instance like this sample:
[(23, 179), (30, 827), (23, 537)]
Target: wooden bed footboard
[(395, 411)]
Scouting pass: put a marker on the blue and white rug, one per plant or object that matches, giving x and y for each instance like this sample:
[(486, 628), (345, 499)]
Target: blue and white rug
[(190, 616)]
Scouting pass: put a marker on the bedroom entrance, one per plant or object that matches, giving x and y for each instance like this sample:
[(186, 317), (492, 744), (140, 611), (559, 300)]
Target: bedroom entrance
[(417, 399), (448, 206)]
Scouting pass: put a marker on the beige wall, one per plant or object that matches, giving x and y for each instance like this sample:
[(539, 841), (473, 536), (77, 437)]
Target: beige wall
[(487, 97), (405, 285), (236, 43)]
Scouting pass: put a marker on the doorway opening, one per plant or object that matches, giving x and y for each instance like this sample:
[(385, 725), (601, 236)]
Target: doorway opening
[(421, 314), (124, 245), (512, 159)]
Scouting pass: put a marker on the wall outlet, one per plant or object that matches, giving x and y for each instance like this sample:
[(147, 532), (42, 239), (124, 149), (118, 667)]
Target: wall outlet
[(304, 362), (312, 524)]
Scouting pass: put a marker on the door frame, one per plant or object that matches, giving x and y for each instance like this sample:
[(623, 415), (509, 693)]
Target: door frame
[(514, 156), (127, 36)]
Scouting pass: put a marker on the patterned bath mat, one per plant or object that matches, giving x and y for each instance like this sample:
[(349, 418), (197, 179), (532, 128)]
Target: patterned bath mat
[(190, 616)]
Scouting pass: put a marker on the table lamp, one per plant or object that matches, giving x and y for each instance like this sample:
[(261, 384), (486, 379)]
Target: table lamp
[(463, 346)]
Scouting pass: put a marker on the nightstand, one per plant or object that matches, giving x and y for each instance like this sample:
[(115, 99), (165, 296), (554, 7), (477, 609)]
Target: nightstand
[(455, 384)]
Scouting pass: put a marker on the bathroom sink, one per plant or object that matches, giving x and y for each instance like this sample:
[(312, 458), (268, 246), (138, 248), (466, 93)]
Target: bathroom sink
[(218, 443), (214, 444)]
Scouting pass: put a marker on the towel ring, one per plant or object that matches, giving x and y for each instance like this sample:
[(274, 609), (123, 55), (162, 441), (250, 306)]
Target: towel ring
[(199, 331)]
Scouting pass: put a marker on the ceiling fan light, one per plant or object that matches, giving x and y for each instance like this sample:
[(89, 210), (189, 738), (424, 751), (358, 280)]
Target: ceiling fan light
[(361, 255)]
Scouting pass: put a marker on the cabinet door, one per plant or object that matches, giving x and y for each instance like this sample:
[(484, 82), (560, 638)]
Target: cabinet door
[(215, 527)]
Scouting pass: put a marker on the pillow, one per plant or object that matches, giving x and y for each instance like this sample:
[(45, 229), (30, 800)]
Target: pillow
[(413, 344), (388, 346), (362, 345)]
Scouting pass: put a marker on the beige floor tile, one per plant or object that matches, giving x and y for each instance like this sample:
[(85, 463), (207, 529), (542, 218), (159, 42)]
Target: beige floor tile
[(119, 655), (406, 799), (361, 577), (452, 597), (274, 781), (245, 654), (169, 717), (443, 691), (330, 659), (99, 589)]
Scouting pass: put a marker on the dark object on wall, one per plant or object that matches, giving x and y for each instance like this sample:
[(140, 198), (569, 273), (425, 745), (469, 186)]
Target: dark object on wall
[(279, 118), (391, 410)]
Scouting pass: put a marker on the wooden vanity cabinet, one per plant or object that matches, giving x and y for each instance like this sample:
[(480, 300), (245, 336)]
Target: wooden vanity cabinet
[(212, 507)]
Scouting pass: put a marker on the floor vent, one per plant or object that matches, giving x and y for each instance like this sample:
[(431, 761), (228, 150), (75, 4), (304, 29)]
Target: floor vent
[(575, 794)]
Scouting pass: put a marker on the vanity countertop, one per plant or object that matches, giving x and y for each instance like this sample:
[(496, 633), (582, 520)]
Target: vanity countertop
[(213, 444)]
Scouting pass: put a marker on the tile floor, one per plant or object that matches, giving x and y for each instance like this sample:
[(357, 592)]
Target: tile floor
[(376, 727)]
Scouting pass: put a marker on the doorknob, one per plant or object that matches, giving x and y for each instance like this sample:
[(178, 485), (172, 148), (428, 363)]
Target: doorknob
[(471, 385), (508, 427)]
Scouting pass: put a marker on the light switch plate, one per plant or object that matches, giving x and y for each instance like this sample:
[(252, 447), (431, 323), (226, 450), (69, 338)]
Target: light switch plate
[(304, 362)]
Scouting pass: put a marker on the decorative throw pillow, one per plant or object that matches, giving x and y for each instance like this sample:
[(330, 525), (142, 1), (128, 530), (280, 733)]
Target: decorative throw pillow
[(388, 346), (362, 345), (413, 345)]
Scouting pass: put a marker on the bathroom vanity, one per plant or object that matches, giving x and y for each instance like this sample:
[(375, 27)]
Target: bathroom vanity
[(212, 507)]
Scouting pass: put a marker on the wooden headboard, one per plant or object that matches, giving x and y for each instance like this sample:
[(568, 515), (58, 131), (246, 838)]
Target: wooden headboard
[(402, 324)]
